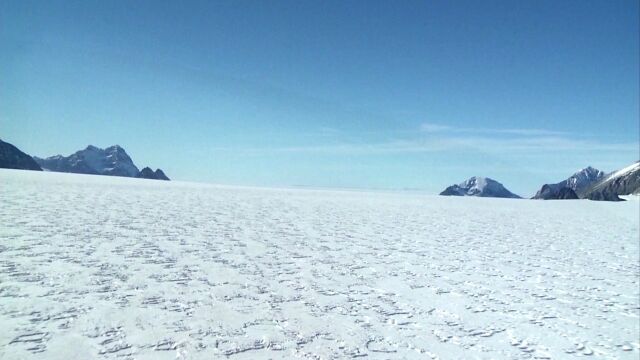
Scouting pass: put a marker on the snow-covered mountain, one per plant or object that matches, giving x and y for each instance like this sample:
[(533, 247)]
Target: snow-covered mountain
[(12, 158), (481, 187), (582, 179), (578, 182), (113, 161), (622, 182)]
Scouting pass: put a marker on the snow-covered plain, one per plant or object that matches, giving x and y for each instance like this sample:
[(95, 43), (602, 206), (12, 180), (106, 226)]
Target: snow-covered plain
[(105, 267)]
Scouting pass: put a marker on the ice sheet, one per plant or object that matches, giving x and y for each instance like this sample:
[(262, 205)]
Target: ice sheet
[(106, 267)]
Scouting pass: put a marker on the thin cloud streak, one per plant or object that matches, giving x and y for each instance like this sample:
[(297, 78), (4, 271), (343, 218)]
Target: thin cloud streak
[(537, 144), (431, 128), (437, 128)]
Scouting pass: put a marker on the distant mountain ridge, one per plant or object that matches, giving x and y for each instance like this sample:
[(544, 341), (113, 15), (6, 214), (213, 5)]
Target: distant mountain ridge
[(577, 183), (593, 184), (588, 183), (12, 158), (480, 187), (625, 181), (111, 161)]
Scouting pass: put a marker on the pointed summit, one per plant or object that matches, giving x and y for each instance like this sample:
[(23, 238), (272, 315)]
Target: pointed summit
[(160, 175), (481, 187), (578, 182), (147, 173)]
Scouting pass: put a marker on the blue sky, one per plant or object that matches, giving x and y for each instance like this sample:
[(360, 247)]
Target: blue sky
[(328, 93)]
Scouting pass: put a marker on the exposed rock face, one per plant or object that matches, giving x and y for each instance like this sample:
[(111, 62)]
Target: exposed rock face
[(553, 192), (481, 187), (567, 194), (622, 182), (578, 182), (160, 175), (604, 196), (113, 161), (583, 179), (147, 173), (12, 158)]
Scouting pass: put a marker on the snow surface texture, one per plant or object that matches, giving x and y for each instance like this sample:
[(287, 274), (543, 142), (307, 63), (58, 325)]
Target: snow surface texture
[(117, 268)]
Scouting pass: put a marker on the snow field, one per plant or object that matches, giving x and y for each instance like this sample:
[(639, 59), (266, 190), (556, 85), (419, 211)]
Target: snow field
[(117, 268)]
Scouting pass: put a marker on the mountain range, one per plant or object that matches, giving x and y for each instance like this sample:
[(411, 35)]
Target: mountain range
[(588, 183), (622, 182), (111, 161), (593, 184), (578, 183)]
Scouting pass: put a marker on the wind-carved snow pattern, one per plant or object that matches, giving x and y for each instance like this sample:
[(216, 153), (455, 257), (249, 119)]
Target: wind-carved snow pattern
[(119, 268)]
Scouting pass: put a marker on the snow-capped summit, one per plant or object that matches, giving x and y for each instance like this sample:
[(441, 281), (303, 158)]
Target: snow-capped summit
[(578, 182), (581, 180), (622, 182), (93, 160), (479, 186), (112, 160)]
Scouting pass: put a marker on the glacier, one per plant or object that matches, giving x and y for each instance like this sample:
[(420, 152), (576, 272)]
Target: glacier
[(125, 268)]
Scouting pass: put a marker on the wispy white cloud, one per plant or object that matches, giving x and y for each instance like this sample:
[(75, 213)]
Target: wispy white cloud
[(432, 128), (428, 127), (436, 138), (526, 132), (454, 143)]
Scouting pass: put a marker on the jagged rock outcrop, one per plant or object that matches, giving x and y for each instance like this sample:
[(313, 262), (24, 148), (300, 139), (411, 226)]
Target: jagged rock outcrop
[(567, 194), (160, 175), (12, 158), (551, 192), (147, 173)]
